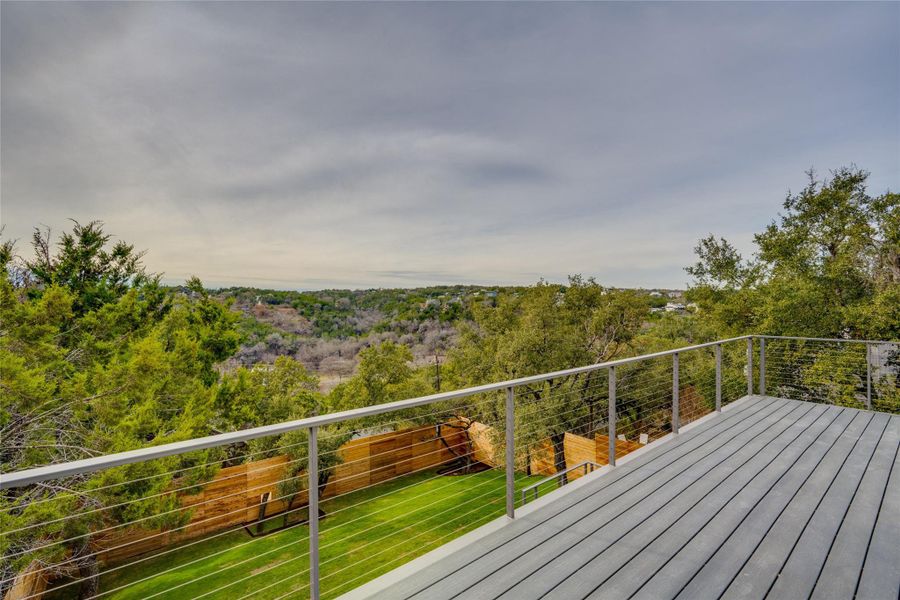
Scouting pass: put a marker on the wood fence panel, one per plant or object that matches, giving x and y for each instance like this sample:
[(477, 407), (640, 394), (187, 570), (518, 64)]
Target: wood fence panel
[(352, 474), (542, 459), (233, 497), (577, 450), (622, 448), (482, 439), (30, 583)]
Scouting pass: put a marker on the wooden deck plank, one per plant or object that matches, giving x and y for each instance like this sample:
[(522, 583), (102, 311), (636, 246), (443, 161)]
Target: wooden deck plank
[(799, 574), (759, 573), (689, 552), (545, 567), (880, 576), (843, 567), (585, 500), (718, 564), (620, 574), (775, 486)]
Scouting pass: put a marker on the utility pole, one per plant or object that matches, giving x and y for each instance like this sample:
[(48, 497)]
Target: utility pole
[(437, 370)]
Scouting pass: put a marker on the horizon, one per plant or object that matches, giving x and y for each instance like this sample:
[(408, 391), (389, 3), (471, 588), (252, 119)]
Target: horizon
[(362, 146), (216, 288)]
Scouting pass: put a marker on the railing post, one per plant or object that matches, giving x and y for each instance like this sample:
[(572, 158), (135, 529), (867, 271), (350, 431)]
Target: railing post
[(676, 418), (611, 417), (762, 366), (510, 454), (749, 366), (718, 377), (313, 494), (869, 376)]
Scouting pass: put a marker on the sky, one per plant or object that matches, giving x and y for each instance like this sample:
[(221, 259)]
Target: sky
[(310, 146)]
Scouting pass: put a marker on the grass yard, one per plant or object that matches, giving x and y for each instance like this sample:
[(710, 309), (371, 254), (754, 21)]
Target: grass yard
[(365, 534)]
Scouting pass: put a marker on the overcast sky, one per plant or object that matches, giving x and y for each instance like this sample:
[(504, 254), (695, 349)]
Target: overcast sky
[(393, 145)]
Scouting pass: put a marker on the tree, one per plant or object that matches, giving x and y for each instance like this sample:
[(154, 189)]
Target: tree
[(547, 328), (98, 359), (827, 267), (284, 391), (82, 263), (384, 374)]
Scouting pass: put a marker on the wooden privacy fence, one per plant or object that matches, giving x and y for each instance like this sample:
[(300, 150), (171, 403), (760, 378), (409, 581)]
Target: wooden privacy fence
[(234, 496), (576, 449), (30, 583)]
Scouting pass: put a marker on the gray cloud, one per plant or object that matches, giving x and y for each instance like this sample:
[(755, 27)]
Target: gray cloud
[(322, 145)]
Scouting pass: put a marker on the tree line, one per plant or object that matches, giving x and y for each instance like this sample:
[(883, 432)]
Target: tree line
[(99, 357)]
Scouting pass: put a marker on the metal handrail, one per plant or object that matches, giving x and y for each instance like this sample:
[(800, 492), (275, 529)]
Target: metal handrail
[(587, 465), (313, 424), (813, 339), (90, 465)]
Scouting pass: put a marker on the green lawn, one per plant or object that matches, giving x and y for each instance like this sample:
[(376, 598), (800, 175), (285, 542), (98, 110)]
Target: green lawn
[(364, 535)]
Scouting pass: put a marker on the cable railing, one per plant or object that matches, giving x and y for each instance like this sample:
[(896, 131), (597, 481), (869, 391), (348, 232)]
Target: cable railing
[(854, 373), (317, 506)]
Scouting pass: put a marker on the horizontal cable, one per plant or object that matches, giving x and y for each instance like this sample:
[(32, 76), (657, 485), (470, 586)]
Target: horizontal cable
[(203, 484), (364, 559), (231, 459), (226, 531), (270, 567), (192, 524)]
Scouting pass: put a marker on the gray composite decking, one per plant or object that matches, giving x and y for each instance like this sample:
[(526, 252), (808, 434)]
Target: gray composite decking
[(773, 499)]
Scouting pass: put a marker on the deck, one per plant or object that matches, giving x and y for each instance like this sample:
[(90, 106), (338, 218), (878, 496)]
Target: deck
[(773, 498)]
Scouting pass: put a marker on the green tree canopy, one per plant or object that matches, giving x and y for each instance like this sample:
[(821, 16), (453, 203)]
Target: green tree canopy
[(98, 359), (829, 266), (543, 329)]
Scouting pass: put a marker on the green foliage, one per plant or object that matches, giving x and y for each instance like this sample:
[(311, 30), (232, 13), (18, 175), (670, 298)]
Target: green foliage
[(548, 328), (284, 392), (82, 263), (97, 359), (384, 374), (828, 267), (334, 313)]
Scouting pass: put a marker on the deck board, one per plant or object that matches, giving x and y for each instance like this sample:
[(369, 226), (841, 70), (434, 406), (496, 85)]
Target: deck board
[(705, 568), (776, 497), (880, 577), (694, 537), (843, 566)]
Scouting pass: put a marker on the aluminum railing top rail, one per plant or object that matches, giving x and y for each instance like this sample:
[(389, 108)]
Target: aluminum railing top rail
[(814, 339), (313, 424), (90, 465)]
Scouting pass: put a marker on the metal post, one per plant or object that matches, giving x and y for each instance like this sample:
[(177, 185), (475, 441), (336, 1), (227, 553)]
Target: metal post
[(718, 377), (676, 418), (869, 376), (749, 366), (762, 366), (611, 417), (313, 472), (510, 454)]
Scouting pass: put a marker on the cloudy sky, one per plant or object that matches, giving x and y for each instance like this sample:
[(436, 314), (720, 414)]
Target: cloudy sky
[(357, 145)]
